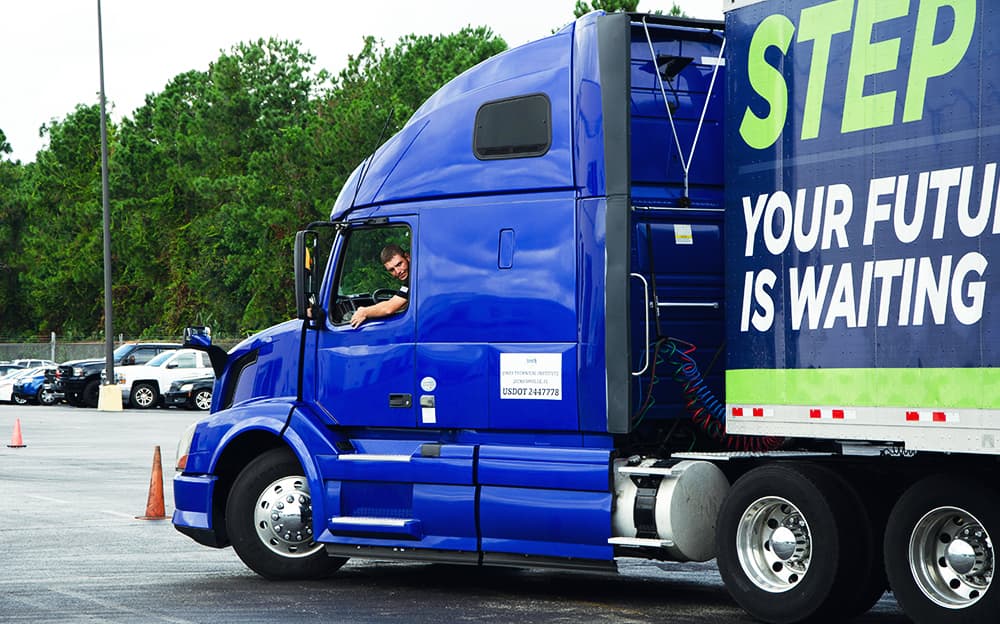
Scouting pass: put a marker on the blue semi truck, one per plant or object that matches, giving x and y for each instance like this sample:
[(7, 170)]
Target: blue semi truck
[(676, 290)]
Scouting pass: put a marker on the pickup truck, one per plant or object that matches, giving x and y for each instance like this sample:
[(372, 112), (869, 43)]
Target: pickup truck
[(143, 386)]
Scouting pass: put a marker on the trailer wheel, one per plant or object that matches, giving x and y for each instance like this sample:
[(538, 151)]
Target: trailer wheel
[(939, 551), (269, 520), (794, 545)]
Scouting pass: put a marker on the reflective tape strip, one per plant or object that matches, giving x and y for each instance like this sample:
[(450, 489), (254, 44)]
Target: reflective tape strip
[(835, 413), (756, 412), (931, 416)]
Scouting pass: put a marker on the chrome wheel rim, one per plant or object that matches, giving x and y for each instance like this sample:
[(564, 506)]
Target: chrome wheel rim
[(283, 518), (203, 400), (774, 544), (951, 557), (143, 397)]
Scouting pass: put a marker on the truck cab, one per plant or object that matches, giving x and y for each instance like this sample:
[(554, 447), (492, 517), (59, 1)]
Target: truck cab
[(534, 195)]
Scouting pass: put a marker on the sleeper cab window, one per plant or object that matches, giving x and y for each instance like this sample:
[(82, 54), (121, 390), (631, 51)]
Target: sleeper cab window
[(518, 127)]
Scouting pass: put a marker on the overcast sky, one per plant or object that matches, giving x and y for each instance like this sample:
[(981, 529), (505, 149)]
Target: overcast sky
[(50, 55)]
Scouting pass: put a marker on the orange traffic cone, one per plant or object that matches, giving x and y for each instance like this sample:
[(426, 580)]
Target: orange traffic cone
[(154, 502), (15, 440)]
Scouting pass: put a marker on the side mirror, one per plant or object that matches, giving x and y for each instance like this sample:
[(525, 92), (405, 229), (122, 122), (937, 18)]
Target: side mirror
[(306, 282), (200, 338), (197, 336)]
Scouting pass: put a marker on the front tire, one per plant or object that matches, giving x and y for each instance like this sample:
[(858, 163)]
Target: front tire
[(91, 393), (269, 520), (144, 395), (202, 400), (939, 551), (18, 399), (46, 396), (794, 546)]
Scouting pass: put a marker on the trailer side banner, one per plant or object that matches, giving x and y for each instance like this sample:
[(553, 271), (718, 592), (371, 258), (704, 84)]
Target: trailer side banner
[(863, 220)]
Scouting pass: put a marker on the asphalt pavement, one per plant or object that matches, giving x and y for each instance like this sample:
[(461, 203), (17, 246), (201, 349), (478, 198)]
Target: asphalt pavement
[(72, 550)]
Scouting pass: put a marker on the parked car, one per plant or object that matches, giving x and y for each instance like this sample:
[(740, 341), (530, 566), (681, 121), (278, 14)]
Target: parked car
[(80, 380), (35, 388), (30, 363), (143, 386), (8, 380), (190, 393), (7, 367)]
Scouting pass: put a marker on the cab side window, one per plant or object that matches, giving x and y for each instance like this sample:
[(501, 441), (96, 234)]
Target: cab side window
[(185, 360), (141, 356), (362, 280)]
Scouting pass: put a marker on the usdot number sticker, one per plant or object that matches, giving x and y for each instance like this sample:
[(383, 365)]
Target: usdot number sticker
[(531, 376)]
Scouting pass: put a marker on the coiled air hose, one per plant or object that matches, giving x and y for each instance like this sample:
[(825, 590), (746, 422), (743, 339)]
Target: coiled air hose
[(707, 412)]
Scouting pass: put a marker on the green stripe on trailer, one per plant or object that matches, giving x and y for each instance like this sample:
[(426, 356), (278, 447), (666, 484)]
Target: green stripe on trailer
[(971, 388)]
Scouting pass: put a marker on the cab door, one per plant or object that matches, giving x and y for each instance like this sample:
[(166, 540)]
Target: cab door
[(365, 375)]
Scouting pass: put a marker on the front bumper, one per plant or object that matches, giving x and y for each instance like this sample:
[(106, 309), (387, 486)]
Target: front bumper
[(193, 509), (179, 399)]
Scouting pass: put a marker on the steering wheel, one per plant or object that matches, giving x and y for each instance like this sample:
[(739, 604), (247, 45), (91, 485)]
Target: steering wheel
[(383, 294)]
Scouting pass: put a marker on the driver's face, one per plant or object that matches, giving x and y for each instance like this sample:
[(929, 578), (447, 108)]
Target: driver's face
[(399, 266)]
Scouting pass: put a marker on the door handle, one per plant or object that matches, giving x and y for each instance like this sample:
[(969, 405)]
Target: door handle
[(400, 400)]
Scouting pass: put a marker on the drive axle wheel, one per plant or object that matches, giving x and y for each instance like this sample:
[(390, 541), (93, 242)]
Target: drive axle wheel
[(774, 544), (940, 554), (795, 545), (270, 523)]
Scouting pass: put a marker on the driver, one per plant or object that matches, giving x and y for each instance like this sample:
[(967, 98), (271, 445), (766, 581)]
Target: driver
[(397, 262)]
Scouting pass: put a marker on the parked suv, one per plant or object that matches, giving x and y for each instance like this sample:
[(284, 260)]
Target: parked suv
[(80, 380)]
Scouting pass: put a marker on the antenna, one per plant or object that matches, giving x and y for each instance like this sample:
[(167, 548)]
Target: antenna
[(364, 172)]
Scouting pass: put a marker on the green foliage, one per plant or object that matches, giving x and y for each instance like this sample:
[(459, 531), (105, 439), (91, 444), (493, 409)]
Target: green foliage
[(209, 180), (11, 226), (62, 240), (611, 6), (627, 6)]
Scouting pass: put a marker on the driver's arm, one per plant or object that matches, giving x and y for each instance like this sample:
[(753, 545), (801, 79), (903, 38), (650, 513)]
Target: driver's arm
[(379, 310)]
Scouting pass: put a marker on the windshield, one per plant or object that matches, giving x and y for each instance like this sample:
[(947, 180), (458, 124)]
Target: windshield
[(159, 359)]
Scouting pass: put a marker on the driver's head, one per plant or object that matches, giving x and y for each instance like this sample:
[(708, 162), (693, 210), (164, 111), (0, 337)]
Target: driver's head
[(396, 261)]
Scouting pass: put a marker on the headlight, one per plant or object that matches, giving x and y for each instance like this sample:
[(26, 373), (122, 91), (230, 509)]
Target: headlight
[(188, 387), (119, 379), (184, 447)]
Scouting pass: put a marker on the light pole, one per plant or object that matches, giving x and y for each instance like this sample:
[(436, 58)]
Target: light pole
[(110, 398)]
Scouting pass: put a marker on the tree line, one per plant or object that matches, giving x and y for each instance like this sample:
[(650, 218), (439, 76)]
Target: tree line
[(209, 180)]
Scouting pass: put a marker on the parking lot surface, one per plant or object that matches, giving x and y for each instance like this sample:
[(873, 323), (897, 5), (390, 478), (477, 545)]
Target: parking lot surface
[(73, 551)]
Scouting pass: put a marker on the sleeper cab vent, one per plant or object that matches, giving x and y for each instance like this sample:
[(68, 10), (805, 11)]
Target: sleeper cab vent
[(519, 127)]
